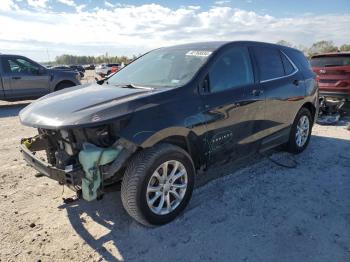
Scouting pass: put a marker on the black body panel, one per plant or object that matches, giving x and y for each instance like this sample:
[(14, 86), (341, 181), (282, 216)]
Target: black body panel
[(214, 126)]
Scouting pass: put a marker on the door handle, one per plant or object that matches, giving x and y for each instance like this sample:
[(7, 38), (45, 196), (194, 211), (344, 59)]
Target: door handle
[(257, 92), (296, 82), (16, 77)]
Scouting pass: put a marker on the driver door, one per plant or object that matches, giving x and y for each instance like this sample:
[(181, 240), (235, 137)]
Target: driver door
[(26, 79), (233, 106)]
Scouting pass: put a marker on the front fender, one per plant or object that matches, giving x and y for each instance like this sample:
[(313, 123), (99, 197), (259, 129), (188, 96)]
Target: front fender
[(150, 138)]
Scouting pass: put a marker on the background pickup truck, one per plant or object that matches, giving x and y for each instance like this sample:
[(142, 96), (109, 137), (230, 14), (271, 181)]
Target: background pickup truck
[(22, 78)]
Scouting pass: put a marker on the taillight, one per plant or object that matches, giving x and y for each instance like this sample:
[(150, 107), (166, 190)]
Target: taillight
[(342, 84)]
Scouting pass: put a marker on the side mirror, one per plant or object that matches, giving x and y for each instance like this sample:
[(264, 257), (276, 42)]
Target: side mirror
[(100, 82)]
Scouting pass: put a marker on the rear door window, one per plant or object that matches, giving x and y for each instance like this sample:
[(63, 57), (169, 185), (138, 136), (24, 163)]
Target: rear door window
[(232, 69), (269, 63)]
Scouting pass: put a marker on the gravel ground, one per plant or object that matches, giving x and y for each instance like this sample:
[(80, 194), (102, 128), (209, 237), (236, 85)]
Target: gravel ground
[(257, 212)]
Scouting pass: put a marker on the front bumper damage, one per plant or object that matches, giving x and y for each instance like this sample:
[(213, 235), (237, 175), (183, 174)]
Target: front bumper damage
[(68, 177), (95, 166)]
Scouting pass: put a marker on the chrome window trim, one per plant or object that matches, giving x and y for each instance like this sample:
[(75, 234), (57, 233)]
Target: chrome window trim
[(296, 70)]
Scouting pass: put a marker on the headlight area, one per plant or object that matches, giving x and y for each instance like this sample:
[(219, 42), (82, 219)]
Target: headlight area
[(84, 159)]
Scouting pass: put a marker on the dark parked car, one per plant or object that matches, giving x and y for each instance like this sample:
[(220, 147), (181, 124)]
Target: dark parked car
[(69, 68), (22, 78), (78, 68), (333, 71), (169, 113), (89, 67)]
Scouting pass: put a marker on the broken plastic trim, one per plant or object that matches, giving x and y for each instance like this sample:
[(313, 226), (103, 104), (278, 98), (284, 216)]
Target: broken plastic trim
[(70, 177), (128, 149), (92, 158)]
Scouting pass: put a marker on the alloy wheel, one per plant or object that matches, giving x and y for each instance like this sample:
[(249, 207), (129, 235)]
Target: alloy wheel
[(167, 187), (303, 129)]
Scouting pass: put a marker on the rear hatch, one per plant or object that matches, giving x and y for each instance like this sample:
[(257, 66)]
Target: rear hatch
[(333, 72)]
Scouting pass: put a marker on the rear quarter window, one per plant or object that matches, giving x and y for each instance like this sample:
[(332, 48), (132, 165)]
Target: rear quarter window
[(288, 67), (299, 59), (301, 62)]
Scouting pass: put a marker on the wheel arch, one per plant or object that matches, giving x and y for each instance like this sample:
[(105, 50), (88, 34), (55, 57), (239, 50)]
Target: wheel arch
[(64, 82), (311, 108), (186, 144), (178, 136)]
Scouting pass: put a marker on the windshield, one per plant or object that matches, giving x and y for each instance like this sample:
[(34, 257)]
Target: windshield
[(162, 68), (328, 61)]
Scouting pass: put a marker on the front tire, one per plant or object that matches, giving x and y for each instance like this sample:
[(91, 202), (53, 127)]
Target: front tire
[(158, 184), (300, 132)]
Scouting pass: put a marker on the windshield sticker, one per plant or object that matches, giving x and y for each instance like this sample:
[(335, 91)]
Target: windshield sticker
[(198, 53)]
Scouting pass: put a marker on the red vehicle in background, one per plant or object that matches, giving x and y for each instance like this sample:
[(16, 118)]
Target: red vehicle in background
[(115, 69), (333, 74)]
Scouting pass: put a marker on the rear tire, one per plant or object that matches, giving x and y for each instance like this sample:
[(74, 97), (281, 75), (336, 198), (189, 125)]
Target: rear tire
[(145, 197), (300, 132)]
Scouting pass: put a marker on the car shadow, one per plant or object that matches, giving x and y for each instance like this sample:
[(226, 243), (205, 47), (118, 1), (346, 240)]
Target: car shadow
[(11, 109), (120, 227), (242, 213)]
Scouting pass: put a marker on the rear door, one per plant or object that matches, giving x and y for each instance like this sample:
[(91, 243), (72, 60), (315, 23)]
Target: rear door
[(232, 106), (25, 78), (283, 86)]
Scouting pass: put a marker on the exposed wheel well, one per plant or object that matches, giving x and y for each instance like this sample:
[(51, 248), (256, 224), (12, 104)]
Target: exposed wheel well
[(64, 82), (311, 108), (182, 142)]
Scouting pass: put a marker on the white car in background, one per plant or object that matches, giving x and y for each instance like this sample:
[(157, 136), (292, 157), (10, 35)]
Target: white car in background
[(106, 69)]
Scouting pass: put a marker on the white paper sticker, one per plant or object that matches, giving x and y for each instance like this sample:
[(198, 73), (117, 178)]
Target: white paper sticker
[(198, 53)]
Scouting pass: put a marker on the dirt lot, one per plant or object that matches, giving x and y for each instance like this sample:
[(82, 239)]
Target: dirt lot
[(259, 212)]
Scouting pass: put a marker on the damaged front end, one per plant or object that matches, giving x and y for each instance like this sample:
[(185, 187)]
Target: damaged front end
[(84, 159)]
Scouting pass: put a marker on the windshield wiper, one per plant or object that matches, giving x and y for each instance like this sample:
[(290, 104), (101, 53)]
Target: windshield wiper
[(134, 86)]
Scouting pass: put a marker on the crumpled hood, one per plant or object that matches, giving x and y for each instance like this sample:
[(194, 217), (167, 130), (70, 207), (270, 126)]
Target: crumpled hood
[(81, 106)]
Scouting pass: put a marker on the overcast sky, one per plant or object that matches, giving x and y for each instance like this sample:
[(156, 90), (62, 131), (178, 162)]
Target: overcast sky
[(43, 29)]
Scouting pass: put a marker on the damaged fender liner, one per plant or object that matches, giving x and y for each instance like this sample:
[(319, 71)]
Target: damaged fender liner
[(63, 177)]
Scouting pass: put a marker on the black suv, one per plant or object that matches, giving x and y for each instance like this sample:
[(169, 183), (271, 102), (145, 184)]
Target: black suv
[(172, 111)]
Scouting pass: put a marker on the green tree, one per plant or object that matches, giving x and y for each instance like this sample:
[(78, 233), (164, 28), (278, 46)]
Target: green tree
[(285, 43), (344, 47), (322, 47), (66, 59)]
